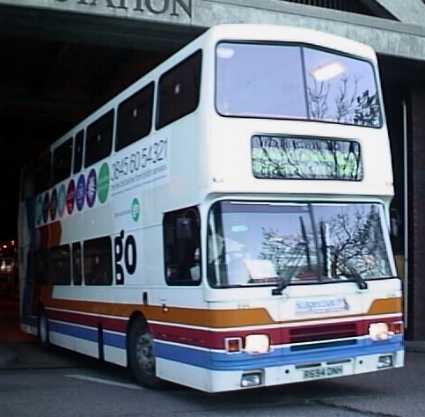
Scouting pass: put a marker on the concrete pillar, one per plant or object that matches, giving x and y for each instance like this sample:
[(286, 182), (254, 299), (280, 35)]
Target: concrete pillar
[(416, 149)]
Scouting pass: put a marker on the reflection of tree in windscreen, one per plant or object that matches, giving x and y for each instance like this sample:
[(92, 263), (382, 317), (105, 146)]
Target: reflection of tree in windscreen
[(350, 105), (318, 99), (357, 244), (287, 253), (367, 111)]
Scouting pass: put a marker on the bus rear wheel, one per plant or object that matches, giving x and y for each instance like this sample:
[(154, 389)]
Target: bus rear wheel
[(141, 355), (43, 329)]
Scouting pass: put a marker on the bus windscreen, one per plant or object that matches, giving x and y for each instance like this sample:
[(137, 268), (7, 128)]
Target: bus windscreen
[(252, 243)]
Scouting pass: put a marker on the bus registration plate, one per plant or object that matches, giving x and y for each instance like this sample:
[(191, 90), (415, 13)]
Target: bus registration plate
[(323, 372)]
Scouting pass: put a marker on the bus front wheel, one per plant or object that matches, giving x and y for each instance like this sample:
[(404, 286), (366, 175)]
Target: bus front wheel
[(141, 355), (43, 329)]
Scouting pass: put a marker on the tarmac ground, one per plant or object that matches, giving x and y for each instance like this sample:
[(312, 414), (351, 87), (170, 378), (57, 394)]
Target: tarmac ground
[(52, 382)]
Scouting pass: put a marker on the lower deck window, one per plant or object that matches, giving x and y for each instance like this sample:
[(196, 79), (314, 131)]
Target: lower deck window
[(77, 270), (98, 261), (60, 265)]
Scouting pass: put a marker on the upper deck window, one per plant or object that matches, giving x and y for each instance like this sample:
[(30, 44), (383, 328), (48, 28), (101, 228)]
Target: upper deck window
[(295, 82), (99, 139), (341, 89), (78, 151), (135, 117), (178, 93), (260, 80), (62, 157)]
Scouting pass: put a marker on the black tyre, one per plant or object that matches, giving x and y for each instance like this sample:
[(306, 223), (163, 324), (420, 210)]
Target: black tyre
[(43, 329), (141, 355)]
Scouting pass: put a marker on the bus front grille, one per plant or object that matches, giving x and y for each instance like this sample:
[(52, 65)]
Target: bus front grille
[(323, 332)]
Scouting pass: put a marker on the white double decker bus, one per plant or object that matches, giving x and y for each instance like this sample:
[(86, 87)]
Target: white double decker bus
[(223, 222)]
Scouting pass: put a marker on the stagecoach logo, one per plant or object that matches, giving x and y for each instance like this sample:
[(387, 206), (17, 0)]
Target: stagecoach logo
[(135, 209), (70, 197), (53, 204), (103, 183), (173, 8), (80, 192), (61, 200), (91, 188), (324, 305)]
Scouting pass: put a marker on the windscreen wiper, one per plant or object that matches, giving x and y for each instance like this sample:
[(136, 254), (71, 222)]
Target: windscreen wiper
[(284, 282), (352, 273), (301, 247)]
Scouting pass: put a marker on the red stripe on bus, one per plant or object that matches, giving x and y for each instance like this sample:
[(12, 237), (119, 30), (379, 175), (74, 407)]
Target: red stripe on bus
[(215, 340), (278, 335), (107, 323)]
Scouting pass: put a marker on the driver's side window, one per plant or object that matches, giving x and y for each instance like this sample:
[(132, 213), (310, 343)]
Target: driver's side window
[(182, 249)]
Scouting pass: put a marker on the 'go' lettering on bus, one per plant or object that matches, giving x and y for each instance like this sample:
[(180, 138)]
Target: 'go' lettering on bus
[(125, 257)]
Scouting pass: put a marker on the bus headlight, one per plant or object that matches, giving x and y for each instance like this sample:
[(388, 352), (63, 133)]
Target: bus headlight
[(380, 331), (257, 343)]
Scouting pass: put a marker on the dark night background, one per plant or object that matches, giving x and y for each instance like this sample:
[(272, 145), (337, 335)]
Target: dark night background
[(46, 88), (57, 68)]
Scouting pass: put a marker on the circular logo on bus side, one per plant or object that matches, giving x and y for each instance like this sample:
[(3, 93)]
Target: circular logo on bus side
[(61, 200), (80, 192), (91, 188), (103, 183), (70, 197), (53, 204), (39, 210), (46, 207)]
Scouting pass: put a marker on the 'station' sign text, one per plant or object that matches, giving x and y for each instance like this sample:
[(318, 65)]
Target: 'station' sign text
[(157, 7)]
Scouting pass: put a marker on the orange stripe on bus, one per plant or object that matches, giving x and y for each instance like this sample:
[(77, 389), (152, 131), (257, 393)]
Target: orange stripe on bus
[(190, 316), (386, 306), (202, 317)]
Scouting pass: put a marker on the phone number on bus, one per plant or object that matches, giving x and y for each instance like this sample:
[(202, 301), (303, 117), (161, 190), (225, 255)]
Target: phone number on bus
[(140, 160)]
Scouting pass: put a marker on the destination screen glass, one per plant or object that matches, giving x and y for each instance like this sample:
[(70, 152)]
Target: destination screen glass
[(306, 158)]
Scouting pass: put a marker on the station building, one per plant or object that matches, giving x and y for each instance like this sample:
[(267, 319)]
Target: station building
[(134, 35)]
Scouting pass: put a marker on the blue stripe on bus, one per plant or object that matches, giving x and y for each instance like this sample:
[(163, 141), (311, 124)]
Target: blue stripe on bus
[(115, 340), (278, 357), (239, 361), (75, 331), (110, 339)]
